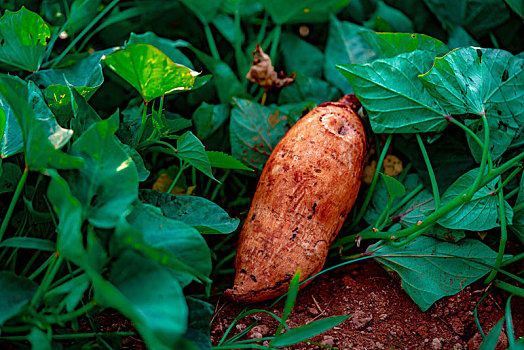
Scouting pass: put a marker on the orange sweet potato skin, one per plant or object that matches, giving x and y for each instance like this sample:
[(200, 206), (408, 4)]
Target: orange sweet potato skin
[(304, 194)]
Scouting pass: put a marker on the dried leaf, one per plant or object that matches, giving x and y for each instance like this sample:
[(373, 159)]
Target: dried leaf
[(262, 72)]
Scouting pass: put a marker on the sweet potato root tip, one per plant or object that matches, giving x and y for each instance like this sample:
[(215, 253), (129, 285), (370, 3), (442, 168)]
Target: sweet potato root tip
[(304, 194)]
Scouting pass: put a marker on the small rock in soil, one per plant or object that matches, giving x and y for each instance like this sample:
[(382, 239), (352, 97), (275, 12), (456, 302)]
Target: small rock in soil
[(258, 331), (328, 341), (360, 319), (240, 327), (436, 344), (313, 311)]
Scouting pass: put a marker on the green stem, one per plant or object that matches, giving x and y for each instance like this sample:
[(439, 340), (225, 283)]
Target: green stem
[(12, 205), (452, 204), (509, 324), (513, 260), (503, 237), (484, 160), (432, 178), (42, 267), (183, 166), (86, 30), (404, 200), (518, 207), (508, 179), (143, 124), (262, 32), (61, 319), (510, 288), (219, 185), (211, 41), (371, 189), (51, 272), (275, 42), (511, 193)]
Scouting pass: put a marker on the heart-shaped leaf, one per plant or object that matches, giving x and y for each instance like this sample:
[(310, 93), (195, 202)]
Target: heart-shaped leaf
[(23, 40), (394, 98), (150, 71)]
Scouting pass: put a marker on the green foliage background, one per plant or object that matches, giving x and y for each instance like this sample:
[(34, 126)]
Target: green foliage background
[(98, 99)]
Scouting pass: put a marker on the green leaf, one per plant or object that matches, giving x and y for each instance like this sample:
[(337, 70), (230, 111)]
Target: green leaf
[(296, 61), (389, 19), (255, 131), (41, 134), (307, 89), (344, 46), (142, 172), (200, 213), (393, 96), (205, 10), (23, 40), (80, 14), (9, 176), (426, 277), (29, 243), (199, 324), (208, 118), (12, 141), (517, 6), (225, 161), (191, 150), (491, 340), (69, 211), (149, 295), (169, 47), (168, 123), (130, 236), (84, 76), (83, 114), (184, 242), (15, 292), (480, 213), (477, 17), (109, 183), (39, 340), (298, 334), (394, 187), (150, 71), (68, 294), (387, 45), (291, 298), (302, 11), (478, 81)]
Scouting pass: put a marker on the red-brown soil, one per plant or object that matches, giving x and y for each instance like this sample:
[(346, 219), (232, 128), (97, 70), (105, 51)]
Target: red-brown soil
[(383, 315)]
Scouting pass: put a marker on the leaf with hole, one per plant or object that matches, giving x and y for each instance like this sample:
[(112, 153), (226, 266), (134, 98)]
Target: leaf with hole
[(23, 40), (150, 71)]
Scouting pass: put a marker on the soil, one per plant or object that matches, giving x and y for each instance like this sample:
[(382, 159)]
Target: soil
[(383, 315)]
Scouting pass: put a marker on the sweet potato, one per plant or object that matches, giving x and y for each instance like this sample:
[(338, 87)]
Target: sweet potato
[(304, 194)]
